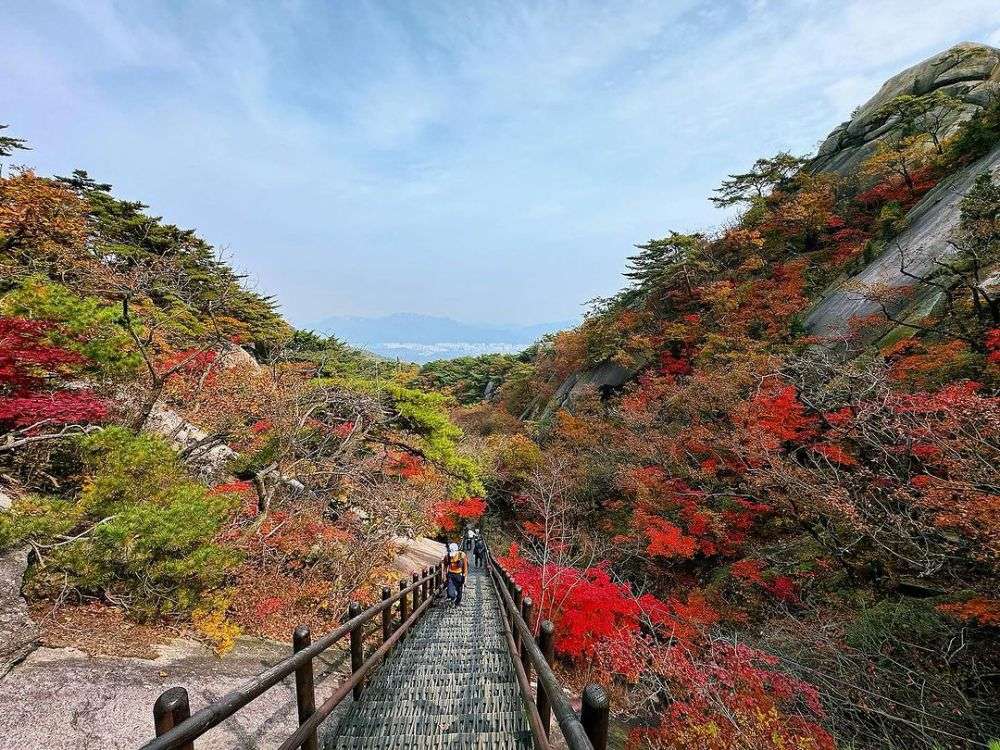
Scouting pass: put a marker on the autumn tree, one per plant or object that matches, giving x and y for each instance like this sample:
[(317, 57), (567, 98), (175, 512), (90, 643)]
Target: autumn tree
[(897, 157), (765, 175), (930, 114), (36, 402)]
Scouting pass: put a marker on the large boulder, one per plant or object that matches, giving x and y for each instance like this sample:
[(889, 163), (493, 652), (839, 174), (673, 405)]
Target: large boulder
[(966, 71), (599, 379), (209, 463), (18, 632)]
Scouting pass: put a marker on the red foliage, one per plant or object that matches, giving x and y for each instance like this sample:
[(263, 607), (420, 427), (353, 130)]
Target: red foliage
[(848, 243), (447, 514), (770, 303), (56, 408), (895, 190), (977, 610), (233, 487), (665, 539), (25, 359), (835, 452), (29, 368), (261, 425), (993, 346), (730, 695), (776, 416), (405, 465), (588, 608), (675, 365), (748, 570), (193, 363)]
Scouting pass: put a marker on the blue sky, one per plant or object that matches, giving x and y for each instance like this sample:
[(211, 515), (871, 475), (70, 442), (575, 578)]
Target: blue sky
[(490, 161)]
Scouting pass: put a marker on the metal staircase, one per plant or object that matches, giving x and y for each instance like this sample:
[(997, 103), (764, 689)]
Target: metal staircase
[(450, 685), (439, 678)]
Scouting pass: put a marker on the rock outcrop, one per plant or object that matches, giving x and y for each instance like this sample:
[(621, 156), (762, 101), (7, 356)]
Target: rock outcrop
[(598, 379), (208, 463), (970, 72), (930, 225), (18, 632), (65, 699), (967, 71)]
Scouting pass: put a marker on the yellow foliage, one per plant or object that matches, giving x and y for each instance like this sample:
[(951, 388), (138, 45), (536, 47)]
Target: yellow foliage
[(211, 623)]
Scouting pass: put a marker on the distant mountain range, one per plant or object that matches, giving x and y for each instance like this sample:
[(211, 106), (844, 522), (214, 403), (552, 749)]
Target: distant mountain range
[(422, 338)]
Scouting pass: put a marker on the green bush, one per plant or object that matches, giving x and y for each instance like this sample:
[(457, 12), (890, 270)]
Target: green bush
[(140, 533), (895, 623)]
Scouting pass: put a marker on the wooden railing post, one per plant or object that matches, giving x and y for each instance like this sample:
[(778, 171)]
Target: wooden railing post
[(404, 603), (426, 586), (518, 600), (416, 592), (510, 590), (357, 653), (594, 715), (527, 612), (386, 615), (169, 710), (546, 644), (305, 692)]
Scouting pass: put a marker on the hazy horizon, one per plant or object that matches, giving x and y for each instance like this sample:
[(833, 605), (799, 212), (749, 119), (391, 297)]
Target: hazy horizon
[(486, 162)]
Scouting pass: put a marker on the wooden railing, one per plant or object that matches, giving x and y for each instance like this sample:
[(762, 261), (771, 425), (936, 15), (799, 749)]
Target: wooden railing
[(177, 728), (589, 730)]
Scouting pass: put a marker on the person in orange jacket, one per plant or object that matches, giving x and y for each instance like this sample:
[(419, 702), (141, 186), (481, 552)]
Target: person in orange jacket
[(457, 567)]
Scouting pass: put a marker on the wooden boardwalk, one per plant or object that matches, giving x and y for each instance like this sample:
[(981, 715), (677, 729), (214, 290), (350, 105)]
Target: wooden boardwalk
[(449, 685)]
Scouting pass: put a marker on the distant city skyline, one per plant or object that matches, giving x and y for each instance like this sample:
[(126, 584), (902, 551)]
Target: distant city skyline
[(483, 161)]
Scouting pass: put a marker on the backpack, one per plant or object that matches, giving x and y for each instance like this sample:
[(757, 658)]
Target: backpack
[(455, 562)]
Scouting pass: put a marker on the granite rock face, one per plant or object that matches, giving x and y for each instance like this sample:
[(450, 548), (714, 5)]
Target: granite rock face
[(18, 633), (930, 225), (969, 72), (598, 379), (65, 699)]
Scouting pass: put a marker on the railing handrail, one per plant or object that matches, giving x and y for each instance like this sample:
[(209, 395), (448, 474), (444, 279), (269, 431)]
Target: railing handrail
[(215, 713), (573, 729)]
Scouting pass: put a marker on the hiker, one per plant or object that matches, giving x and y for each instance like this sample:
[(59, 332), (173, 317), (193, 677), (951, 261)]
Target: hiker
[(470, 534), (479, 550), (457, 566)]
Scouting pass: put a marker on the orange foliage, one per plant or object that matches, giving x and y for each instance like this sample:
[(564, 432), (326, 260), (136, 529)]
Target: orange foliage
[(977, 610)]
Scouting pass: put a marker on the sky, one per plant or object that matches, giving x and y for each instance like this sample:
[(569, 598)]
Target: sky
[(487, 161)]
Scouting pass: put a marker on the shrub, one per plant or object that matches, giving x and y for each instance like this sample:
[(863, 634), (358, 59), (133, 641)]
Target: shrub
[(140, 533)]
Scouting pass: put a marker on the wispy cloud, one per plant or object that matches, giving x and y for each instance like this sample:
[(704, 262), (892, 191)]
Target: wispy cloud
[(492, 159)]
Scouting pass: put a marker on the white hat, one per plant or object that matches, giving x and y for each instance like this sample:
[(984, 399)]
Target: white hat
[(453, 547)]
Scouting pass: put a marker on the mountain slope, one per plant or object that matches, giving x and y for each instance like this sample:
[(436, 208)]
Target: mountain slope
[(775, 547)]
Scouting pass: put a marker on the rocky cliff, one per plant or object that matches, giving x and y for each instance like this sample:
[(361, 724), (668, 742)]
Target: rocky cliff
[(970, 72), (913, 253), (966, 71)]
